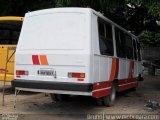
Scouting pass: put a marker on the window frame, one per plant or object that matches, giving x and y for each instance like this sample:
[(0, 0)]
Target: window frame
[(130, 48), (121, 44), (106, 41)]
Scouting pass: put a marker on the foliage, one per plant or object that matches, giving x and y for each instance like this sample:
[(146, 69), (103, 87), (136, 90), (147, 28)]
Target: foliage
[(146, 37), (149, 38), (154, 10), (157, 39), (20, 7), (138, 16)]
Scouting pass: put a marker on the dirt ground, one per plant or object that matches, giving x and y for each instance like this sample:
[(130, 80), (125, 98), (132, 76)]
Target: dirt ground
[(32, 106)]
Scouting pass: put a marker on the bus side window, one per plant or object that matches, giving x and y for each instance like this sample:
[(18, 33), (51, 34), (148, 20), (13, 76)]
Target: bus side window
[(128, 46), (138, 51), (120, 43), (105, 38), (135, 49), (101, 29)]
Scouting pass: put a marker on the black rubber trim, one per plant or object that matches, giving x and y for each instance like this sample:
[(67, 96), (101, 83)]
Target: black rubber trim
[(83, 87)]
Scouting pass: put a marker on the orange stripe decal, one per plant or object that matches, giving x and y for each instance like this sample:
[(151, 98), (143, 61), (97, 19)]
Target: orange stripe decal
[(113, 69), (43, 60)]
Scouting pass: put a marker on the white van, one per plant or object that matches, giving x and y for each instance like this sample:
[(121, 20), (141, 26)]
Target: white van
[(76, 51)]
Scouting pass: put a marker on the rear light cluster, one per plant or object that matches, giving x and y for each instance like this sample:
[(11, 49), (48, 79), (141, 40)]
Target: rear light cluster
[(76, 75), (22, 72)]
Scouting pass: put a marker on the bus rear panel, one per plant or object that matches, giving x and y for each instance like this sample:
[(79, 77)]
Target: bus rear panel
[(54, 55)]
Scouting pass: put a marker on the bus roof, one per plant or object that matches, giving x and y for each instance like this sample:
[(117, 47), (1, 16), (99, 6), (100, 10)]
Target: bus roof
[(115, 24), (75, 9), (11, 18)]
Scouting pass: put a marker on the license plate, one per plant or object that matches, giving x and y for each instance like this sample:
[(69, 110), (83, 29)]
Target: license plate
[(46, 72)]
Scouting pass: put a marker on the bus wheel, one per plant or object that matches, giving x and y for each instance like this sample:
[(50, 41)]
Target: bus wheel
[(59, 97), (54, 97), (99, 101), (109, 100), (62, 97), (134, 89)]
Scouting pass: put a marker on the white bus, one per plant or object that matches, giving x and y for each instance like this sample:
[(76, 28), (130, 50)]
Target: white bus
[(76, 51)]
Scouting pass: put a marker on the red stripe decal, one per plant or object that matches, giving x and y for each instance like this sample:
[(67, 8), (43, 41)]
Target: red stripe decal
[(124, 81), (102, 85), (101, 89), (127, 84), (35, 60), (102, 93)]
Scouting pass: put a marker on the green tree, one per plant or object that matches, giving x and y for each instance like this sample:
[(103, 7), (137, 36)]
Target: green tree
[(147, 38), (137, 16)]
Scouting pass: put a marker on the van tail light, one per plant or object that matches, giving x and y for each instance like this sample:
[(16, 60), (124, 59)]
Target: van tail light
[(21, 72), (76, 75)]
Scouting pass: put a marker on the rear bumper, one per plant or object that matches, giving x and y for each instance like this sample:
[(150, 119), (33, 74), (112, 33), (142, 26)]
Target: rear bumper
[(33, 84)]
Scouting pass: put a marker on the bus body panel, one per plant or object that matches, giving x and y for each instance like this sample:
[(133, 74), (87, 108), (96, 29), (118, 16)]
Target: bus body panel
[(63, 55)]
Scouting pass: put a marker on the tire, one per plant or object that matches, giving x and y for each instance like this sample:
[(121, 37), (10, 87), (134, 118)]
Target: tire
[(62, 97), (109, 100), (99, 101), (54, 97), (134, 89), (59, 97)]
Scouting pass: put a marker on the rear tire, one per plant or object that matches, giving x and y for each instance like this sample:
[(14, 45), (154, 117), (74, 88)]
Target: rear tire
[(54, 97), (134, 89), (62, 97), (99, 101), (59, 97), (109, 100)]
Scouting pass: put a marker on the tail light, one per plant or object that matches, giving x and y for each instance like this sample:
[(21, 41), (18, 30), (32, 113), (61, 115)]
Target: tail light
[(76, 75), (21, 72)]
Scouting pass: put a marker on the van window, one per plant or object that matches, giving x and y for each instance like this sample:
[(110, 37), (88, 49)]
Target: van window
[(105, 38)]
